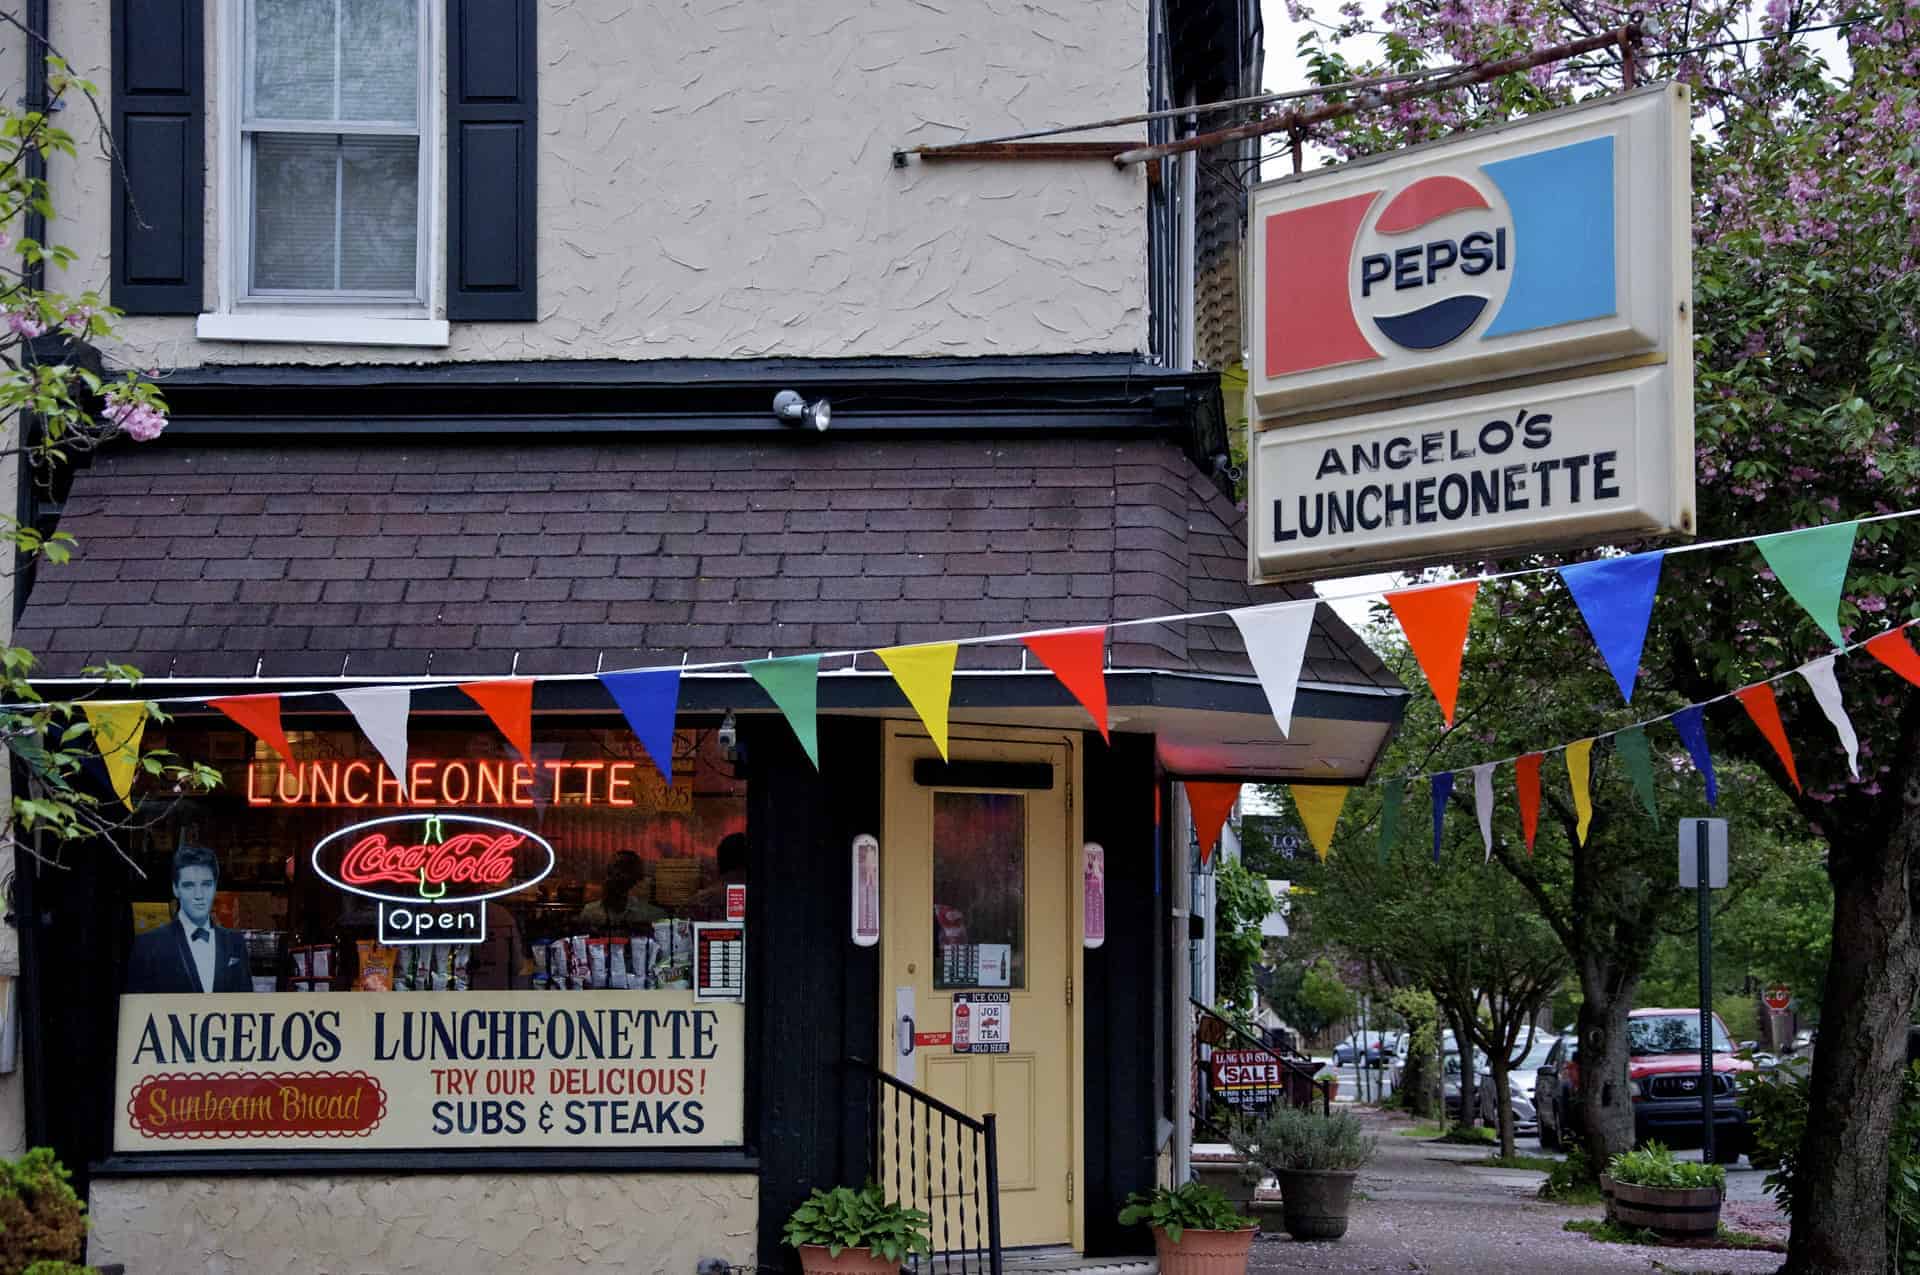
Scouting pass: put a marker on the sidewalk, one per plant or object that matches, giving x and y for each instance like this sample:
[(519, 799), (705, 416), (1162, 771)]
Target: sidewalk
[(1430, 1208)]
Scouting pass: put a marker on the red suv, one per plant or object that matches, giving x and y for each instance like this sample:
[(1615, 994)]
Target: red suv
[(1663, 1079)]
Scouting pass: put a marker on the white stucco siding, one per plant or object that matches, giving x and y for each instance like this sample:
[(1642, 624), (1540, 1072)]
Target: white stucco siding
[(715, 181), (385, 1224)]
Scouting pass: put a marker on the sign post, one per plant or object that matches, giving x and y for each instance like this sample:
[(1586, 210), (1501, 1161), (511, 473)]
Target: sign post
[(1699, 838)]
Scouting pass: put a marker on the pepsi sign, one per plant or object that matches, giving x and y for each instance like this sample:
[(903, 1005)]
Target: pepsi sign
[(1540, 257)]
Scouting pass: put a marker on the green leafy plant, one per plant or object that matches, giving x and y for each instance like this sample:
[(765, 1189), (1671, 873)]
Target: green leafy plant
[(1572, 1180), (1290, 1139), (1776, 1102), (41, 1219), (1192, 1207), (1655, 1166), (1241, 903), (844, 1218)]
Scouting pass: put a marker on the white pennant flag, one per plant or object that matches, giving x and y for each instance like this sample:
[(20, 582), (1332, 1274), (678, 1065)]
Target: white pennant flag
[(1483, 804), (1826, 690), (1276, 638), (382, 715)]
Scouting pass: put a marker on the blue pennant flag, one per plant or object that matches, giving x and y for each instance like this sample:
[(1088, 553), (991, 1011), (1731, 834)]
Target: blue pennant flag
[(1693, 733), (648, 698), (1615, 597), (1442, 790)]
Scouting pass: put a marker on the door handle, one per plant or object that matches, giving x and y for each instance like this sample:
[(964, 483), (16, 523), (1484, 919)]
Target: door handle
[(905, 1029)]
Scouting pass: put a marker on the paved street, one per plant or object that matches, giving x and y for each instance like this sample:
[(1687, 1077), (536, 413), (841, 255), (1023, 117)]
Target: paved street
[(1430, 1208)]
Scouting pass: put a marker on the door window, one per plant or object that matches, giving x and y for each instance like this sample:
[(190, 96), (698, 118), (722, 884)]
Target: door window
[(979, 889)]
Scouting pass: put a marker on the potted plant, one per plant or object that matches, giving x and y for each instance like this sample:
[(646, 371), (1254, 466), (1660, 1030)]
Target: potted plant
[(849, 1232), (1315, 1158), (1651, 1190), (1195, 1230)]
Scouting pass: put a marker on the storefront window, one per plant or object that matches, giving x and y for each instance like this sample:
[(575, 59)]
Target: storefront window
[(979, 889), (634, 863)]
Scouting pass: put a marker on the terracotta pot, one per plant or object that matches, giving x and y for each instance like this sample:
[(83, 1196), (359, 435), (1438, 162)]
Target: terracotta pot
[(1663, 1210), (1204, 1252), (1314, 1202), (814, 1260)]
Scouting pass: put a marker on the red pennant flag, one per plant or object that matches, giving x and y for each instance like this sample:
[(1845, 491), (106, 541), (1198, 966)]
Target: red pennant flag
[(1765, 712), (509, 703), (1077, 659), (1526, 783), (261, 715), (1210, 803), (1894, 650), (1434, 618)]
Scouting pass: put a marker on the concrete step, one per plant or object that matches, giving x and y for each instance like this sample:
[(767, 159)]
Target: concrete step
[(1045, 1261)]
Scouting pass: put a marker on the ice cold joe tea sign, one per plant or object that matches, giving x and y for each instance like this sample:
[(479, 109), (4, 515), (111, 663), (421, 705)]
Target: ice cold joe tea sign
[(430, 1071)]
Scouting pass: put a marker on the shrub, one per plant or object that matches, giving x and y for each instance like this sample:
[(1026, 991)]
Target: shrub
[(1655, 1166), (844, 1218), (1290, 1138), (1192, 1207), (41, 1219)]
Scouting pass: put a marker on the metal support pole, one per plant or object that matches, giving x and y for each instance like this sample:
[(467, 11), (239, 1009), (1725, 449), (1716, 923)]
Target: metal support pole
[(1296, 149), (1703, 891), (993, 1195)]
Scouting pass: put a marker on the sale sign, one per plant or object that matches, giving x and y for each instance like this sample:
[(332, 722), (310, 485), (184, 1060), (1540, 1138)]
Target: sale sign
[(429, 1071), (1247, 1077)]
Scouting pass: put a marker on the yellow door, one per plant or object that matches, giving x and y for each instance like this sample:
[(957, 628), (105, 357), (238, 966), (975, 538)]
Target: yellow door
[(980, 899)]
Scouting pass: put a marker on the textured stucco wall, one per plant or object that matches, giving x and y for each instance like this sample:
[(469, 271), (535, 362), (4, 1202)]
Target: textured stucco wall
[(715, 182), (639, 1224)]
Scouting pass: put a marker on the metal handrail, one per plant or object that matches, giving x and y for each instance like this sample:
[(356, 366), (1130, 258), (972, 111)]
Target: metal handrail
[(917, 1187), (1242, 1040)]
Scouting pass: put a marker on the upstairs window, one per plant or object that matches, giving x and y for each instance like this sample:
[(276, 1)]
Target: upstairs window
[(333, 154)]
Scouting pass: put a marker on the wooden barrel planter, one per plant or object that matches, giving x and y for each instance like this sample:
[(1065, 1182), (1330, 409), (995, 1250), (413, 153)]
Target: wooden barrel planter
[(1678, 1214)]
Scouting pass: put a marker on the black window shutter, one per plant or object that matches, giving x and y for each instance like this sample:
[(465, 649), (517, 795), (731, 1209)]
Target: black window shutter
[(492, 137), (159, 129)]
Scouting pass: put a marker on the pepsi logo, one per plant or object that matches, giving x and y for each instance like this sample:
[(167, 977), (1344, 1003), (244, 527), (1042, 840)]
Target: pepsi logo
[(1431, 261)]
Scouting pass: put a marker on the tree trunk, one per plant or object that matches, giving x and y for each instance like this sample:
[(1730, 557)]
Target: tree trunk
[(1604, 1101), (1840, 1199), (1469, 1088), (1503, 1096)]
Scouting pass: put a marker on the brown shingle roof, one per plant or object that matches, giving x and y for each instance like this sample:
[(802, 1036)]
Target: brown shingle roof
[(405, 560)]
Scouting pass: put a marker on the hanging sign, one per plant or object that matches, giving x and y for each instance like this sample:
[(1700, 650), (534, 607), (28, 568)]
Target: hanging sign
[(736, 901), (1093, 874), (1540, 269), (866, 890), (428, 1071), (982, 1022), (432, 873)]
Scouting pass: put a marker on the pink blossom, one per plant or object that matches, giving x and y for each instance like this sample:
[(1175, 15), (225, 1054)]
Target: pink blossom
[(141, 421), (25, 323)]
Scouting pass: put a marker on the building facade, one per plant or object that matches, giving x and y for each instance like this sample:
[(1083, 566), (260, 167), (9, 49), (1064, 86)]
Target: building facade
[(471, 319)]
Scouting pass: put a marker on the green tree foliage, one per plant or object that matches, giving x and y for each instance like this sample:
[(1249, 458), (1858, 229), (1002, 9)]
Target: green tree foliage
[(1241, 903)]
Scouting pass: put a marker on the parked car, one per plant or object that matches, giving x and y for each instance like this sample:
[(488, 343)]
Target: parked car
[(1379, 1046), (1663, 1082), (1520, 1084)]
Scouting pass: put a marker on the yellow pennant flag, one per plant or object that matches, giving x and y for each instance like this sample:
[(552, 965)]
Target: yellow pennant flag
[(1579, 771), (1319, 806), (117, 728), (925, 675)]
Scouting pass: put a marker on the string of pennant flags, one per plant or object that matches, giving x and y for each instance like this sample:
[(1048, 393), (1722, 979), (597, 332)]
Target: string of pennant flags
[(1614, 596)]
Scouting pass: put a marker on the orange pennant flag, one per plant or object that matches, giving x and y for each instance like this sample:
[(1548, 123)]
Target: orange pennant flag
[(1765, 712), (1434, 618), (260, 714), (1077, 658), (509, 702), (1894, 650), (1210, 804), (1526, 784)]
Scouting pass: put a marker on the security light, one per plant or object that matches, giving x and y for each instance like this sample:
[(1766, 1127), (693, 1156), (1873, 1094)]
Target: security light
[(790, 407)]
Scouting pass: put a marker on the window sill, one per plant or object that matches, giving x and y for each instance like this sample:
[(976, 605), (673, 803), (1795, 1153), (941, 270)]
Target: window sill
[(322, 329)]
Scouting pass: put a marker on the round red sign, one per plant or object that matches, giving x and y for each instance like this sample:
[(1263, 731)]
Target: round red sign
[(1779, 996)]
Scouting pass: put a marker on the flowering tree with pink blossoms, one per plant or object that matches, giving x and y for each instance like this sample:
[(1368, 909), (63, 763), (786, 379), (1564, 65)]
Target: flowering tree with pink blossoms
[(56, 405), (1807, 410)]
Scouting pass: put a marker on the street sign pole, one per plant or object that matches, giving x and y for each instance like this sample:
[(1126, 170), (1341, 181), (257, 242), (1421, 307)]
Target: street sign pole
[(1703, 890)]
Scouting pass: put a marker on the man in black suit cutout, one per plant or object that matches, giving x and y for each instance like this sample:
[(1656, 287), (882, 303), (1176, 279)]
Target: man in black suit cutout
[(191, 953)]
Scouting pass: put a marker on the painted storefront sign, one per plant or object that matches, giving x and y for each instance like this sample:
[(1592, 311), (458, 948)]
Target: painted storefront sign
[(982, 1022), (430, 1071)]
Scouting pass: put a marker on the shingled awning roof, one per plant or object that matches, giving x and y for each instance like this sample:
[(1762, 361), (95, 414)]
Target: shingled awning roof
[(426, 559)]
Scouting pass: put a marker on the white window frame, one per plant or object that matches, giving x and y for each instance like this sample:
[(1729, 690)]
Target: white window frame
[(320, 317)]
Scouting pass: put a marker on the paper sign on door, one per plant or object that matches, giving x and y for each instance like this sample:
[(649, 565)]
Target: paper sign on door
[(1093, 871), (865, 876), (982, 1022)]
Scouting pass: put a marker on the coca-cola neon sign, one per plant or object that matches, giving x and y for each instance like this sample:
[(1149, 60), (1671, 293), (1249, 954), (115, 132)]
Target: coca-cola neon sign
[(433, 858)]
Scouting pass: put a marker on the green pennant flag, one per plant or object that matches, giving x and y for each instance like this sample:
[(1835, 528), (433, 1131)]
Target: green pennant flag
[(1632, 743), (792, 683), (1392, 794), (1812, 566)]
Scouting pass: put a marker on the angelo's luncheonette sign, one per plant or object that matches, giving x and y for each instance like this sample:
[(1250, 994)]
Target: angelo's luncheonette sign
[(1478, 344), (428, 1072)]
